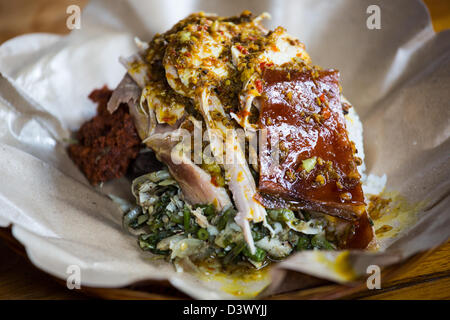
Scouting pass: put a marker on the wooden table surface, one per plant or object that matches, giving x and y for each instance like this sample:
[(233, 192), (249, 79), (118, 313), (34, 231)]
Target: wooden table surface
[(428, 279)]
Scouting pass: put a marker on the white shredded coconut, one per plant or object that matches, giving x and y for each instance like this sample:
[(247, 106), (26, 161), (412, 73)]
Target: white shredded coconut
[(371, 184)]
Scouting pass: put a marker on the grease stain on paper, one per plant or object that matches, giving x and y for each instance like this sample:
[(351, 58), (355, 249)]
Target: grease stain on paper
[(239, 284), (340, 265), (392, 213)]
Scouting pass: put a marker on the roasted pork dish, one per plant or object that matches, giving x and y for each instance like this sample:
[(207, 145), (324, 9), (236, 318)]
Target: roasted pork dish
[(261, 155)]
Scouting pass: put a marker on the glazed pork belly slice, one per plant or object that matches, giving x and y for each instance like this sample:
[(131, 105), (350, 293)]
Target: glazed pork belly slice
[(307, 160), (194, 182)]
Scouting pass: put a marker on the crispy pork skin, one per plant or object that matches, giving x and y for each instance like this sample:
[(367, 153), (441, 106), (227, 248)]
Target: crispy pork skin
[(308, 161)]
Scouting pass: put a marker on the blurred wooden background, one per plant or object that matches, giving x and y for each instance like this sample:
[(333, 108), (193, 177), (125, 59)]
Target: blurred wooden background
[(430, 279), (24, 16)]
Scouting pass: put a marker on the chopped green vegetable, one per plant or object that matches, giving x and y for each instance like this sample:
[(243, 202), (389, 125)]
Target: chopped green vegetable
[(215, 26), (227, 215), (257, 235), (130, 217), (202, 234), (309, 164), (258, 256), (187, 218), (177, 218), (167, 182), (215, 171), (281, 215), (185, 36), (303, 243), (319, 242), (142, 219), (221, 253), (148, 242), (213, 168), (234, 253), (208, 209)]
